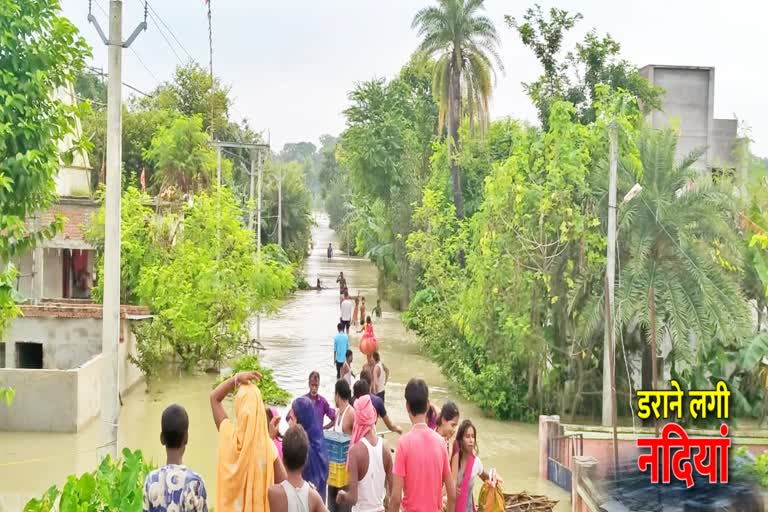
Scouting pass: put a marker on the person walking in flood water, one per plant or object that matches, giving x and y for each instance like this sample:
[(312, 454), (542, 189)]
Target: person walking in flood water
[(340, 348), (344, 424), (356, 312), (362, 388), (346, 369), (380, 376), (362, 310), (377, 309), (369, 463), (347, 305), (342, 286), (421, 460), (294, 494), (465, 466), (316, 470), (329, 251), (447, 421), (174, 486), (319, 404), (247, 457)]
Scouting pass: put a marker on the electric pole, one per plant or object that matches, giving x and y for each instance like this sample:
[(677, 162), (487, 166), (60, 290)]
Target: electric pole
[(252, 176), (258, 242), (280, 208), (110, 339)]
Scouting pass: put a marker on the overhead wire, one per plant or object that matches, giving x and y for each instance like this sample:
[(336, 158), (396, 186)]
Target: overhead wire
[(133, 50), (162, 33), (170, 30)]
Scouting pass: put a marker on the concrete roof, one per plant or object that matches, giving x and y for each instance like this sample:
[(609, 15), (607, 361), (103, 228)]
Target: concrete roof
[(672, 66)]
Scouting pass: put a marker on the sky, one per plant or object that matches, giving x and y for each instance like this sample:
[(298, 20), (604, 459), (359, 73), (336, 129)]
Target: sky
[(291, 63)]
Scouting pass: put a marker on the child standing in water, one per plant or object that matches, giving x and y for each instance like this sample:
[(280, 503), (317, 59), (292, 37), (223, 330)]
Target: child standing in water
[(465, 466), (362, 309), (368, 335), (377, 309), (356, 311)]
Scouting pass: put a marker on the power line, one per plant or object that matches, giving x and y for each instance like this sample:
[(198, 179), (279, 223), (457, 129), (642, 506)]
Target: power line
[(141, 61), (170, 30), (162, 33), (100, 72)]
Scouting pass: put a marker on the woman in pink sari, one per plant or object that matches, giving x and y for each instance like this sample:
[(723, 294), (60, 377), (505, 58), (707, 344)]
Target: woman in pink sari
[(465, 466)]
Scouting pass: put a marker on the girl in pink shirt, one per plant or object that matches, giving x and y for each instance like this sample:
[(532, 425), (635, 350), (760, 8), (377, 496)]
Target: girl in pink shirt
[(273, 422)]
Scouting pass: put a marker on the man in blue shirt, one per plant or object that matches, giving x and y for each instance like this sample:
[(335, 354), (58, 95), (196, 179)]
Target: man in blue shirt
[(340, 347)]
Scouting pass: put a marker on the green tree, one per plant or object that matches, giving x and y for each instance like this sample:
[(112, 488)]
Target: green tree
[(464, 44), (139, 247), (190, 93), (575, 75), (183, 159), (139, 126), (93, 88), (296, 209), (679, 254), (42, 53)]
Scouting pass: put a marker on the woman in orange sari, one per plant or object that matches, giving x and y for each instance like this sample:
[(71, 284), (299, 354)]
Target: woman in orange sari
[(248, 463)]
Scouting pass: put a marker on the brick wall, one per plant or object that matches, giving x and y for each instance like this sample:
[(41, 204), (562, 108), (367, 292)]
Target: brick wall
[(76, 218)]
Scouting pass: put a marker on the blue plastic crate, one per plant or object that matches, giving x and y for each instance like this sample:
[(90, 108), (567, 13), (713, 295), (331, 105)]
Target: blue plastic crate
[(337, 445)]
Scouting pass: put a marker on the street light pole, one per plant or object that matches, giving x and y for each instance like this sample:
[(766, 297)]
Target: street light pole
[(610, 276), (609, 369)]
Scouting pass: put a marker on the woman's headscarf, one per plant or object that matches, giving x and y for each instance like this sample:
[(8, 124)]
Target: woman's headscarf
[(365, 419), (245, 468), (316, 469)]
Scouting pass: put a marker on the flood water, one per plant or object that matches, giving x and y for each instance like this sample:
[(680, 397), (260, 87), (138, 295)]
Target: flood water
[(297, 340)]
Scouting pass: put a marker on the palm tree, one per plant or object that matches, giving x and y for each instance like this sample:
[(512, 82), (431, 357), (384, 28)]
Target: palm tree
[(678, 241), (463, 44)]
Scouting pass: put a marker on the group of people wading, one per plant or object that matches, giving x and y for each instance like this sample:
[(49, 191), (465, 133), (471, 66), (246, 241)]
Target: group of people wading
[(433, 467)]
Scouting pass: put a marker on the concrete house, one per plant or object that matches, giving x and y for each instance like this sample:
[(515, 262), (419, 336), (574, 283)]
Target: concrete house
[(51, 354), (689, 103), (62, 268)]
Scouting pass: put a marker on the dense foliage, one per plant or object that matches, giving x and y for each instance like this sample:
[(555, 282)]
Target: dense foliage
[(40, 54), (575, 75), (199, 274), (271, 393), (112, 486), (508, 297)]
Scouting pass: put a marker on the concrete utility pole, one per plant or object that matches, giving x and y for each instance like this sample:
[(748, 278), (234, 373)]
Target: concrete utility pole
[(258, 210), (280, 208), (252, 176), (609, 379), (110, 388), (218, 167), (258, 242)]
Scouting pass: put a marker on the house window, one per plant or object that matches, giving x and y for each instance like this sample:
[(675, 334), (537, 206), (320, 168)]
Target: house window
[(29, 355)]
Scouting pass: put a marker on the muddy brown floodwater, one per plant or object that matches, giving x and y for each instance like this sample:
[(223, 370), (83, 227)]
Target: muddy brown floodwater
[(296, 340)]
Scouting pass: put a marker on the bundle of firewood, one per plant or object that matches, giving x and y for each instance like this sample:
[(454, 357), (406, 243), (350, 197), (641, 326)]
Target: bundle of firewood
[(524, 502)]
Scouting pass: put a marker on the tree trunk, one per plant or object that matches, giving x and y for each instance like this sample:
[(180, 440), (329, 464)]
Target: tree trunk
[(454, 118)]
